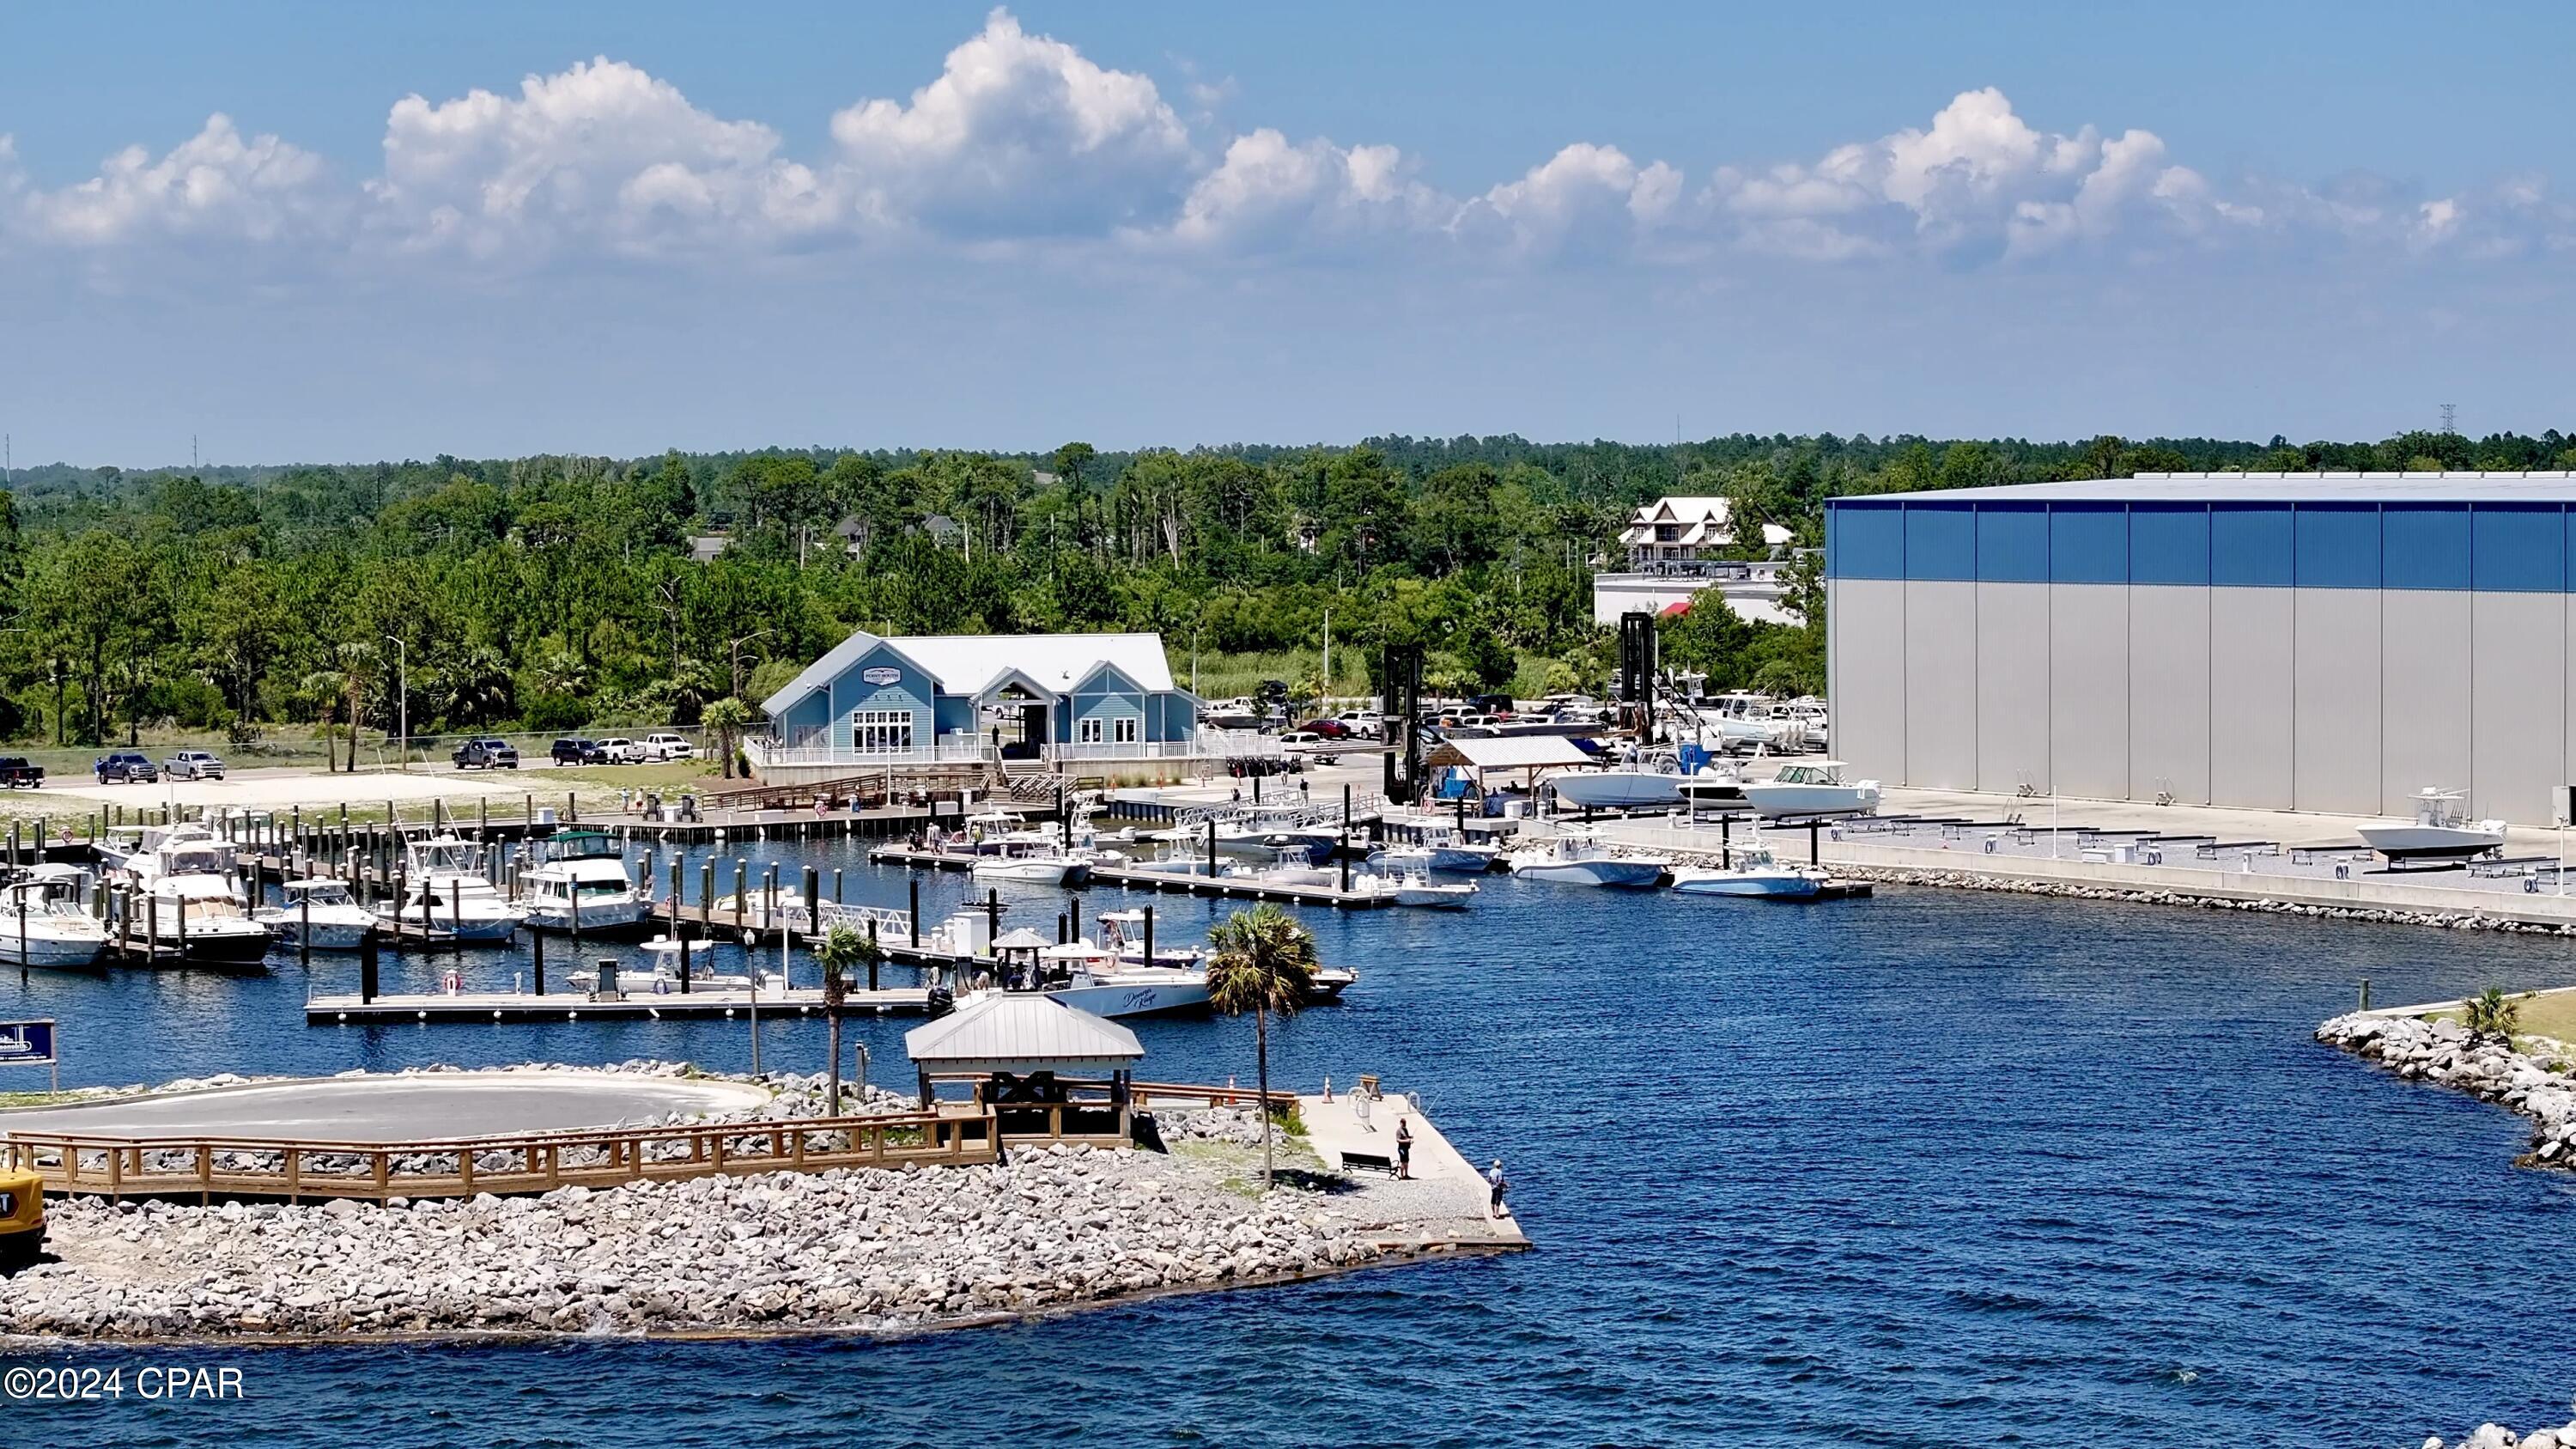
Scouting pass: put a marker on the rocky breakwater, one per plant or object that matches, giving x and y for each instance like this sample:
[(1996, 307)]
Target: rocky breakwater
[(2529, 1075), (2497, 1436), (1969, 880), (846, 1250)]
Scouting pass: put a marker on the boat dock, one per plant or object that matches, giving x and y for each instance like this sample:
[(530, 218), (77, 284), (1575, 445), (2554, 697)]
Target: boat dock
[(575, 1005), (1240, 888)]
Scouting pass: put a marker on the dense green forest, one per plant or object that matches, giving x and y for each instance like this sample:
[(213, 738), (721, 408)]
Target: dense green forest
[(551, 592)]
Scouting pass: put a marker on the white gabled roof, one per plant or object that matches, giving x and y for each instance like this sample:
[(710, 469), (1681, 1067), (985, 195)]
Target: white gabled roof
[(1022, 1031), (964, 664), (1510, 752)]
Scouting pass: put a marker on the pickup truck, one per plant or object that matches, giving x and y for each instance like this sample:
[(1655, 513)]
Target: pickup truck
[(126, 767), (619, 750), (193, 765), (17, 774), (664, 745), (486, 752)]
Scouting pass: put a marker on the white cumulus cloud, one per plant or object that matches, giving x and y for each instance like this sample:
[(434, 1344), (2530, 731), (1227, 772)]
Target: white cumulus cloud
[(600, 153), (1020, 135), (1269, 194), (216, 185), (1584, 198)]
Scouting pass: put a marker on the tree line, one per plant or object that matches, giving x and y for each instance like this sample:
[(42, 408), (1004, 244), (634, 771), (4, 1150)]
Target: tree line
[(551, 592)]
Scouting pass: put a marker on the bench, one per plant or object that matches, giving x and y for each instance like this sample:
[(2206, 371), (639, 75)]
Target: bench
[(1373, 1161)]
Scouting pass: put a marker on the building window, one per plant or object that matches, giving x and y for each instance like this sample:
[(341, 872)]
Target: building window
[(1124, 729), (1087, 731), (880, 731)]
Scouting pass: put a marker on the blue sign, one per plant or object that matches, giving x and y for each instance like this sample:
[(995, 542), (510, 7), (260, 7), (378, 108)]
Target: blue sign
[(26, 1043)]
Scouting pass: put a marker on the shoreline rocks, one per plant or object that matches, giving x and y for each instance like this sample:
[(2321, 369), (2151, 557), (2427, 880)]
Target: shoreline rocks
[(2497, 1436), (870, 1250), (2535, 1084), (1975, 881)]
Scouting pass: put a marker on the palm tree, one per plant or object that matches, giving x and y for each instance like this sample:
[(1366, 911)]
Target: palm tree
[(1263, 963), (728, 717), (357, 662), (843, 947), (2492, 1013), (323, 687)]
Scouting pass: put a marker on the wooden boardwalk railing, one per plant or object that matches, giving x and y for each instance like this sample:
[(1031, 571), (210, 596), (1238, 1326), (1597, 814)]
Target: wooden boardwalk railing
[(209, 1167)]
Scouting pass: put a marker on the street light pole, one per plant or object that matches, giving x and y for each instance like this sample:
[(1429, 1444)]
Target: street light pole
[(402, 701)]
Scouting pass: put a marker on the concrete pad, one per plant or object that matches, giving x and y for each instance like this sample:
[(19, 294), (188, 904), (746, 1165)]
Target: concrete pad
[(1443, 1203), (422, 1107)]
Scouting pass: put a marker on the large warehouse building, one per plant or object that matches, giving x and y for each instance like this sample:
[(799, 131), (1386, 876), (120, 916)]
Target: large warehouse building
[(2329, 642)]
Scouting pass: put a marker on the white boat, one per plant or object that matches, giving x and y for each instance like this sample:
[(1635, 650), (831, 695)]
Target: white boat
[(1641, 782), (1421, 890), (1030, 858), (1575, 856), (1097, 980), (1756, 872), (444, 875), (2442, 830), (578, 881), (339, 922), (199, 915), (1719, 782), (1449, 854), (1814, 787), (186, 897), (43, 921), (1740, 721), (1122, 936)]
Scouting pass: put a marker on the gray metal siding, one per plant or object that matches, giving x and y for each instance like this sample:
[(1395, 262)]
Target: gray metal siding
[(2088, 669), (2250, 697), (1940, 684), (2169, 668), (2335, 725), (2518, 702), (1868, 623), (2425, 694), (2012, 686)]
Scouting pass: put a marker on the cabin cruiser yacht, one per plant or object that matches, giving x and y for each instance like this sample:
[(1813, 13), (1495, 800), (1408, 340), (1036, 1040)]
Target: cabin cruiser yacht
[(1030, 858), (185, 897), (2442, 830), (1813, 787), (578, 881), (1576, 856), (339, 922), (444, 876), (1756, 872), (43, 922)]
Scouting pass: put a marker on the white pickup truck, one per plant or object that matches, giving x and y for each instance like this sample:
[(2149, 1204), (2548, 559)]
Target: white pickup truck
[(664, 745)]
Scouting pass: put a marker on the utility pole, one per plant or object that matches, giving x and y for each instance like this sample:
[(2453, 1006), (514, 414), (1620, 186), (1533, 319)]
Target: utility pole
[(402, 701)]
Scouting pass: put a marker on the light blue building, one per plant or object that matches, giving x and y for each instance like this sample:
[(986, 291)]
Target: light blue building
[(965, 698), (2322, 642)]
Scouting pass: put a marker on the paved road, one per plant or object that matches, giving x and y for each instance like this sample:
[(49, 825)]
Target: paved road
[(395, 1109)]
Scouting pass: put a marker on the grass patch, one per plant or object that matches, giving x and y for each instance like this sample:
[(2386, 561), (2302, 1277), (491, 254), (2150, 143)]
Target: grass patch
[(1240, 1167), (670, 777)]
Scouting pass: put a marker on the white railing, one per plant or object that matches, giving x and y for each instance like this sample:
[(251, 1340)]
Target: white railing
[(764, 753)]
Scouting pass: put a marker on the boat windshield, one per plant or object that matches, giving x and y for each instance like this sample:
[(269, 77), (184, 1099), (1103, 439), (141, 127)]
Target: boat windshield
[(581, 845), (447, 856)]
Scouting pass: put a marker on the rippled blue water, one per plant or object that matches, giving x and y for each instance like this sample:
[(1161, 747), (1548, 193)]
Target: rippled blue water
[(1936, 1169)]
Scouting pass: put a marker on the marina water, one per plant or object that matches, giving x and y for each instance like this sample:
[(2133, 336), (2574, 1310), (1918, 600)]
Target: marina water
[(1939, 1168)]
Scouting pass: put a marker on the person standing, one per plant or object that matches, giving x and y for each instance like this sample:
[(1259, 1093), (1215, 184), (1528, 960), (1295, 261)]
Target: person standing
[(1494, 1179), (1403, 1148)]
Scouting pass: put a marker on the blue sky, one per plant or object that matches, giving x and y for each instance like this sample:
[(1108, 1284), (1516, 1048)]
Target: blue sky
[(485, 229)]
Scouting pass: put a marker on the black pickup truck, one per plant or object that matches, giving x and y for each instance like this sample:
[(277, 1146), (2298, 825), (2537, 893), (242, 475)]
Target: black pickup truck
[(17, 774)]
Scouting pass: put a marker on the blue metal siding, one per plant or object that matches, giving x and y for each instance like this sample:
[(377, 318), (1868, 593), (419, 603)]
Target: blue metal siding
[(2169, 543), (2424, 546), (910, 690), (2337, 546), (2249, 545), (2088, 543), (1105, 695), (2012, 543), (2518, 548), (1940, 541), (1865, 540)]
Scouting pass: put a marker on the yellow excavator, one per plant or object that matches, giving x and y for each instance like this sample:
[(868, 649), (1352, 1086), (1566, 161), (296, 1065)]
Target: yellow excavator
[(22, 1218)]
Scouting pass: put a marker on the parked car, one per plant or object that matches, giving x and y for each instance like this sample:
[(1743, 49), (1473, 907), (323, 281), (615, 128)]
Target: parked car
[(1363, 723), (487, 752), (1300, 741), (18, 774), (1331, 729), (193, 765), (621, 751), (664, 745), (126, 767), (577, 752)]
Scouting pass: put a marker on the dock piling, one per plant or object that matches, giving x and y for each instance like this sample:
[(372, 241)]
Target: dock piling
[(367, 969)]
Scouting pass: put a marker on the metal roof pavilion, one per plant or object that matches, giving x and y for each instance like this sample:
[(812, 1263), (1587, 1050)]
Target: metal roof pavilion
[(2558, 486), (1022, 1031)]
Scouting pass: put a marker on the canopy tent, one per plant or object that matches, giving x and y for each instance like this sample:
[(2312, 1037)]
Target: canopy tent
[(1509, 752)]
